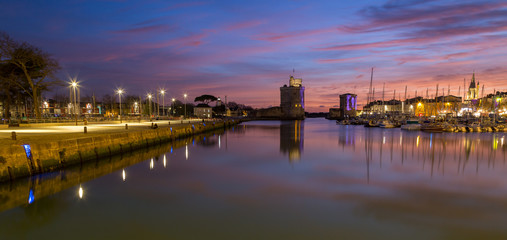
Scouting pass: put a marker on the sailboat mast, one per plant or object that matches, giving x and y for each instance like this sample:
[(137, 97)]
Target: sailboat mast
[(383, 90)]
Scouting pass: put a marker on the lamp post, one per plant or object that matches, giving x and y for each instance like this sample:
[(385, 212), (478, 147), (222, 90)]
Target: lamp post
[(149, 106), (158, 105), (172, 106), (162, 91), (74, 86), (185, 96), (120, 92)]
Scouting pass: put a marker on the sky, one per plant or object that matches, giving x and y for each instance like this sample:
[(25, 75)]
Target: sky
[(246, 50)]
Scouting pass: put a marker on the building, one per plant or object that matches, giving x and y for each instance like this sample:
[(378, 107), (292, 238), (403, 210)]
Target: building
[(203, 111), (292, 99), (348, 105)]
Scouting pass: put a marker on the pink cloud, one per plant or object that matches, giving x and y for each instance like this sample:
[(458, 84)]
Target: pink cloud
[(277, 37), (352, 59)]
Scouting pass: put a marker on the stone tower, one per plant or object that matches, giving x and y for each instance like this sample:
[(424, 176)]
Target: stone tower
[(292, 99)]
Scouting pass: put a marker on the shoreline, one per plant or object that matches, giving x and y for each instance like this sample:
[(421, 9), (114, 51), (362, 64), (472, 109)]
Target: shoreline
[(24, 158)]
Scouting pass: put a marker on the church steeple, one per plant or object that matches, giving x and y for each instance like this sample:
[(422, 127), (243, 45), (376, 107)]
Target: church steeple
[(472, 83)]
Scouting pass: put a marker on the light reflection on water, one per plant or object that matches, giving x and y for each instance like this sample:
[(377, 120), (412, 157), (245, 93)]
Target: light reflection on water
[(278, 180)]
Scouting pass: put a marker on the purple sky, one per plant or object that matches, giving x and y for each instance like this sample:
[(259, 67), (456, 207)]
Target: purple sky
[(247, 50)]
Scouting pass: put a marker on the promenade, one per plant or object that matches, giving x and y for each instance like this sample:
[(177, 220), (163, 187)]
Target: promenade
[(44, 132), (47, 147)]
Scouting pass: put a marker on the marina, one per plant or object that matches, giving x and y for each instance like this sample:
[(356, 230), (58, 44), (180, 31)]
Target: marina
[(289, 179)]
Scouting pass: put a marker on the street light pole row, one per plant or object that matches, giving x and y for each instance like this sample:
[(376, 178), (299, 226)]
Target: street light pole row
[(162, 92), (75, 91)]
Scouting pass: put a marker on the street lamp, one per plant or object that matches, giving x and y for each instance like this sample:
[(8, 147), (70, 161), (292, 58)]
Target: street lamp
[(172, 106), (185, 96), (73, 97), (162, 91), (149, 106), (120, 92)]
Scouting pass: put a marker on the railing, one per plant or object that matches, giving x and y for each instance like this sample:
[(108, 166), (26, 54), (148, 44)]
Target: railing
[(68, 120)]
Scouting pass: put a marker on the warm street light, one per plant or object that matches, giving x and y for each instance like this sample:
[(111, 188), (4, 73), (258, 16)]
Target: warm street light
[(73, 96), (120, 92), (149, 106), (185, 96), (162, 91), (172, 106)]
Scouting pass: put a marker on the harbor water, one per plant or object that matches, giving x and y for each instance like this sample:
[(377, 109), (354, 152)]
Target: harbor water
[(308, 179)]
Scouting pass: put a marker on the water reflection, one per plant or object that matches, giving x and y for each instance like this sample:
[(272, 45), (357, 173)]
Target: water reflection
[(412, 185), (30, 191), (80, 192), (292, 139), (441, 153)]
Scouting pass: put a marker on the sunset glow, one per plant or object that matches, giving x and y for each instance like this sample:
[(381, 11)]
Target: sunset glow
[(246, 51)]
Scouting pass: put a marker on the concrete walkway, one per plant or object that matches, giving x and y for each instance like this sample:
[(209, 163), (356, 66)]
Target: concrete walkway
[(36, 133)]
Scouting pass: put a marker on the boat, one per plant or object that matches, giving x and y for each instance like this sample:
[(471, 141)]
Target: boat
[(411, 125), (371, 123), (386, 124), (447, 127), (475, 127), (432, 127), (343, 122)]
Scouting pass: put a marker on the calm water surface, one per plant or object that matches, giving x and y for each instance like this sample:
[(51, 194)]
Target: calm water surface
[(305, 179)]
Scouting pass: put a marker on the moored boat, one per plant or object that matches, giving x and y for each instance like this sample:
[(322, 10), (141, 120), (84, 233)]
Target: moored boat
[(386, 124), (371, 123), (411, 125), (432, 127)]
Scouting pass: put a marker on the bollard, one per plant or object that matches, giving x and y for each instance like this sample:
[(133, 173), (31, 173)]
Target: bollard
[(126, 126), (85, 129), (169, 122), (13, 135), (151, 125), (181, 121)]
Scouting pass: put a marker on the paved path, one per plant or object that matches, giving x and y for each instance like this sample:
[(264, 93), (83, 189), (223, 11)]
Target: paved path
[(44, 132)]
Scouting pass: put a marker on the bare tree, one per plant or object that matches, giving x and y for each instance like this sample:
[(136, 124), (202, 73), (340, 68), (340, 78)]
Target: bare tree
[(36, 66)]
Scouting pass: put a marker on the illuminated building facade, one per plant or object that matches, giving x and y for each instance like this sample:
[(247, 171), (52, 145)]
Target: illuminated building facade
[(292, 99), (203, 111), (348, 105)]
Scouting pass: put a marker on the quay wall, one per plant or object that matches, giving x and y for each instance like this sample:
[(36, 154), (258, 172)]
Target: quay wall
[(17, 161), (18, 193)]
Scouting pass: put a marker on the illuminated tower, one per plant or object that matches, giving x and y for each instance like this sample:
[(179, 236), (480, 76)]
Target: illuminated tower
[(292, 99), (348, 105)]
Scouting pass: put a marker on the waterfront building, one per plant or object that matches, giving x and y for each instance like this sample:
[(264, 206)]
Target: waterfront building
[(203, 110), (391, 107), (292, 99), (348, 107)]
